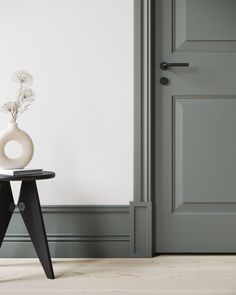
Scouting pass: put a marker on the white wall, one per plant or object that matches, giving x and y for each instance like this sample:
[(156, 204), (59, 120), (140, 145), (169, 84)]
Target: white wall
[(80, 53)]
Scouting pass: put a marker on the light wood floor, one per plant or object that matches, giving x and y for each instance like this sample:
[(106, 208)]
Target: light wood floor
[(185, 275)]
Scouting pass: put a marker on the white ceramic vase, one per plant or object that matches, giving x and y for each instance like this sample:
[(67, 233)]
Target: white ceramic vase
[(14, 133)]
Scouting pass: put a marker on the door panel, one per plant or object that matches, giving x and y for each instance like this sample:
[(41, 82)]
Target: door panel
[(195, 127), (204, 153), (211, 20), (204, 25)]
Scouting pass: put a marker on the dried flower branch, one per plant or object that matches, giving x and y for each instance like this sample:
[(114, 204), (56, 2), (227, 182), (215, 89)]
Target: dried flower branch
[(23, 77), (25, 96)]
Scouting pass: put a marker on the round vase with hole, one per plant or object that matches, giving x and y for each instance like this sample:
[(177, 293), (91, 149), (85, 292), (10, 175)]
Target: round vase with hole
[(14, 133)]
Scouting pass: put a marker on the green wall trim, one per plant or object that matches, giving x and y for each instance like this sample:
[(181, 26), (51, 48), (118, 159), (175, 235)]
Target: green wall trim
[(87, 231), (141, 207), (68, 249), (74, 231), (137, 99), (70, 238), (142, 100), (83, 209), (140, 229)]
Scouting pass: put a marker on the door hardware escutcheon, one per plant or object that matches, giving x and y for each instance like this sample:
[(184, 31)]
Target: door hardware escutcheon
[(164, 81), (165, 66)]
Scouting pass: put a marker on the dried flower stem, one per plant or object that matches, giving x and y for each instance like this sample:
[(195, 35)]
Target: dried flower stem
[(24, 98)]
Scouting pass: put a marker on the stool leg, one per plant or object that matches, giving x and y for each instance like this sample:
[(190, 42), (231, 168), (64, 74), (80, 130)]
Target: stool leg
[(6, 208), (30, 209)]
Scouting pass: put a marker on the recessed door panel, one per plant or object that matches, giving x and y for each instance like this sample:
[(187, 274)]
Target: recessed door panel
[(211, 20), (204, 149), (204, 25)]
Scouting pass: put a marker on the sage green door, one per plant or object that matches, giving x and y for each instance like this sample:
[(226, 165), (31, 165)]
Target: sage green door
[(195, 126)]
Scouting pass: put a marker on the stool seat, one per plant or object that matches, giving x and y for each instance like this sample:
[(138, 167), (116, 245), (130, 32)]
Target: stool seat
[(32, 176)]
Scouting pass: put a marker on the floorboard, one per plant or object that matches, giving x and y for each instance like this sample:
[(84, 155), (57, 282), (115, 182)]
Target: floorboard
[(166, 274)]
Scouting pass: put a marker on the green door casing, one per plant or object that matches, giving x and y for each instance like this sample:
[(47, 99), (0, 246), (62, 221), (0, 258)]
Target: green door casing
[(195, 127)]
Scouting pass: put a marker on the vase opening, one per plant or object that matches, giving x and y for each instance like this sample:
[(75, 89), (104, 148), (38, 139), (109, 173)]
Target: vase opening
[(13, 149)]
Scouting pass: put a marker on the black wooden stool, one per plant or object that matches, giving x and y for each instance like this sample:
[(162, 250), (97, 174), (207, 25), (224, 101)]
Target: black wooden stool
[(30, 209)]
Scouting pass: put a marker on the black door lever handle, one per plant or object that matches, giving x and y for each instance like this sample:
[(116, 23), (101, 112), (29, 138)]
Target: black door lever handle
[(165, 66)]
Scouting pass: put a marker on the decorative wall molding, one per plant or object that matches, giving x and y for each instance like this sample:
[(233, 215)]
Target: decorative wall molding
[(140, 229), (141, 208), (86, 231), (142, 100), (83, 209), (74, 231)]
